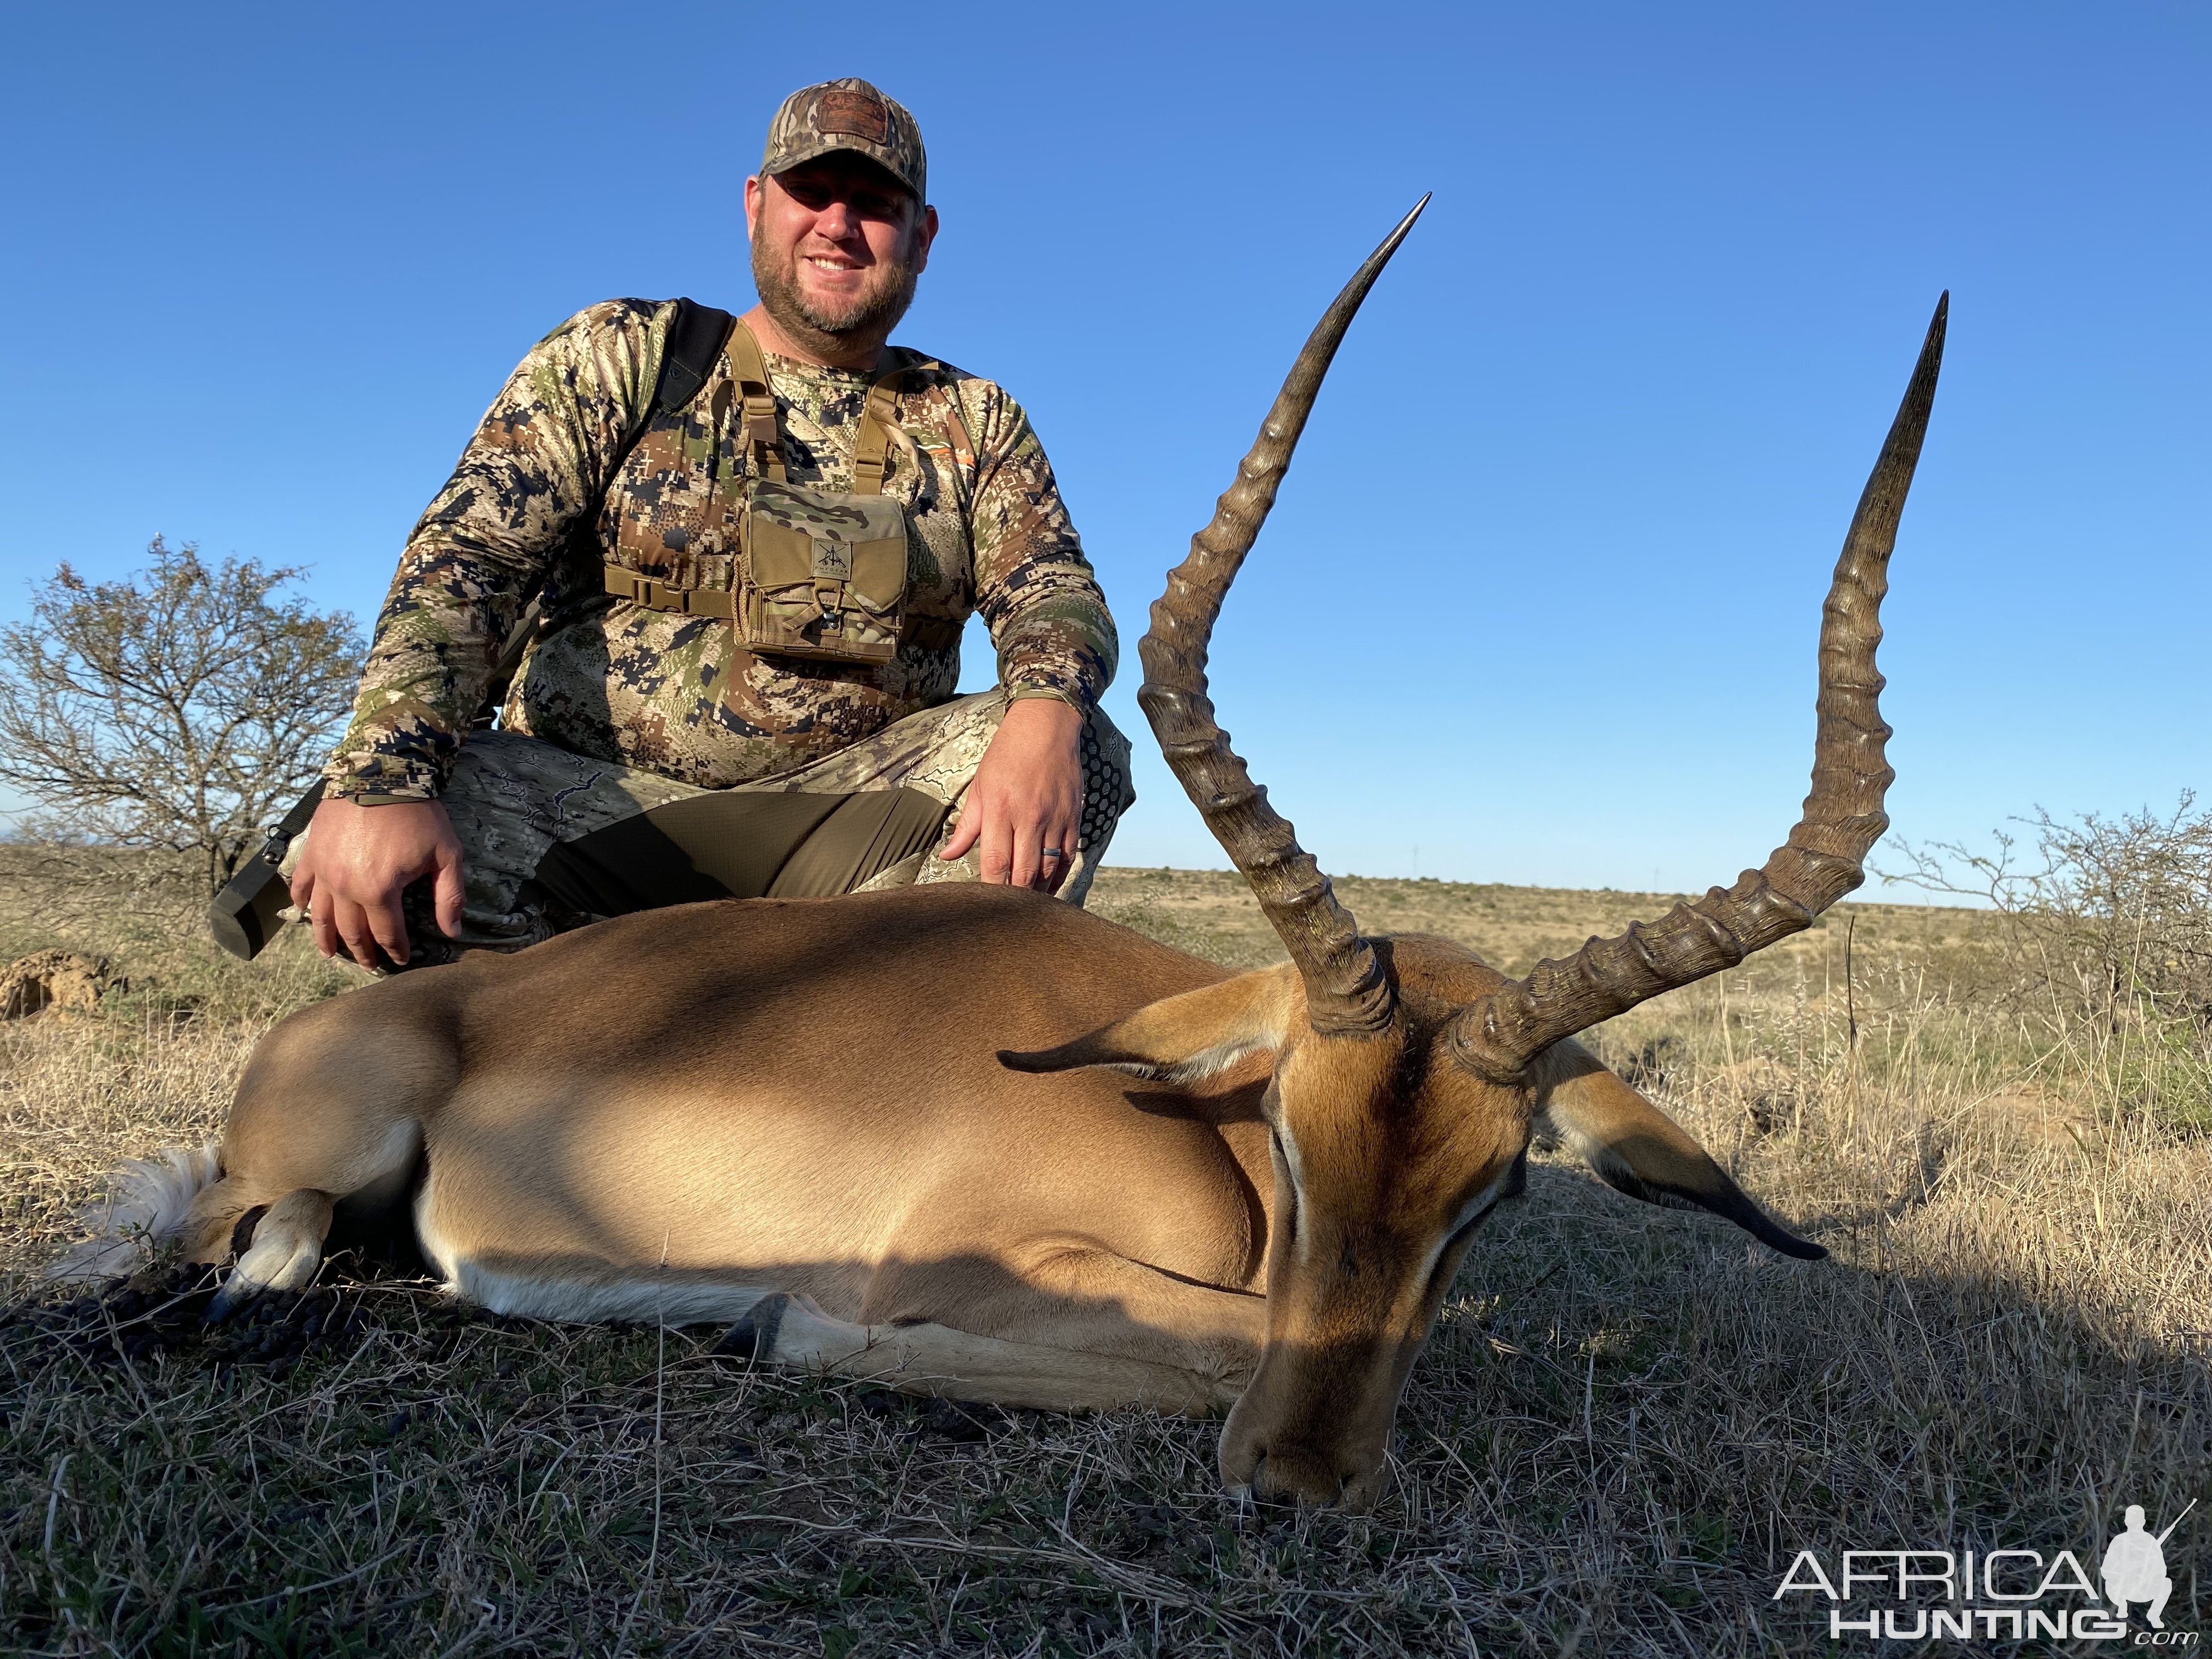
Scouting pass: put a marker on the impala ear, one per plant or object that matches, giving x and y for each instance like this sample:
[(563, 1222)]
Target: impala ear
[(1638, 1148), (1182, 1038)]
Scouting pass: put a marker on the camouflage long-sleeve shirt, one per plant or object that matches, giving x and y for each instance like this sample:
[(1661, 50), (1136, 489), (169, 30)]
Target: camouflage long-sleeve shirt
[(537, 505)]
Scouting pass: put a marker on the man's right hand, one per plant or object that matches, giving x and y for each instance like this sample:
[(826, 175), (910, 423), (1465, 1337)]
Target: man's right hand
[(356, 862)]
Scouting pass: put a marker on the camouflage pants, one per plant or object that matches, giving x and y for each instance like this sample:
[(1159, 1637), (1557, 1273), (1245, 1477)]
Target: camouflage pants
[(551, 840)]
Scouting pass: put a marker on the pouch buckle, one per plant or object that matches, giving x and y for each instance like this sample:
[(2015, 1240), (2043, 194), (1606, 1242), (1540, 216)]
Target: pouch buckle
[(654, 595)]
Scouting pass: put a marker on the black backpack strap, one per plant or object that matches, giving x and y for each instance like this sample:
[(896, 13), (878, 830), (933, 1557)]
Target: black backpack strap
[(695, 337)]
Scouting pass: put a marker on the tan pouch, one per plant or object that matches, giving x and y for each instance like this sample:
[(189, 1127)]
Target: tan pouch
[(823, 573)]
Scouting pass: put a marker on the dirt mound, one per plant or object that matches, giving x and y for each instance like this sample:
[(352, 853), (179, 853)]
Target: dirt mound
[(53, 978)]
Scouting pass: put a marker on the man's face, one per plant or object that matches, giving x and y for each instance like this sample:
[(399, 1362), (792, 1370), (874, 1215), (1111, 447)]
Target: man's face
[(837, 243)]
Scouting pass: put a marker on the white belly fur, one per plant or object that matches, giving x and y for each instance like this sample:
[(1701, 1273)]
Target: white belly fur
[(576, 1297)]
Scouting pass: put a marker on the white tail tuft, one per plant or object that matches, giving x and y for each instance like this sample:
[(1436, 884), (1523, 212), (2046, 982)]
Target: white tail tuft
[(146, 1204)]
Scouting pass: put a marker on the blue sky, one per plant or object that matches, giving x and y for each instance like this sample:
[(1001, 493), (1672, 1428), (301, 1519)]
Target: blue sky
[(1539, 601)]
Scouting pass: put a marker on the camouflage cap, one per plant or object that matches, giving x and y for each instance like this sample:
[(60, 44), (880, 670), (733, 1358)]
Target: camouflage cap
[(848, 114)]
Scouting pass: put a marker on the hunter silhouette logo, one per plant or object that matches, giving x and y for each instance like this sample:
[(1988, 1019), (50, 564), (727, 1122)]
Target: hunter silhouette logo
[(2011, 1593), (2135, 1567)]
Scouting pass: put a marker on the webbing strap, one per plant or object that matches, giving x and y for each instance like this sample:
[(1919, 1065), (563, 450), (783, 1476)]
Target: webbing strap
[(665, 596), (870, 444), (763, 437), (930, 633)]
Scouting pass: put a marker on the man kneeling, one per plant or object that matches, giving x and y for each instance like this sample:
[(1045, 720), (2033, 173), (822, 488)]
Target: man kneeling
[(754, 545)]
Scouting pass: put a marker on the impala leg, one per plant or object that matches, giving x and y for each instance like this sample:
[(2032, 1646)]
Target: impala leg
[(1065, 1290), (931, 1359), (287, 1248), (1068, 1291), (1061, 1323), (331, 1109)]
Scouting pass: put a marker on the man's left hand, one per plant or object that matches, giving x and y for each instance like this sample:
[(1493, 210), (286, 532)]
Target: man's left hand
[(1027, 798)]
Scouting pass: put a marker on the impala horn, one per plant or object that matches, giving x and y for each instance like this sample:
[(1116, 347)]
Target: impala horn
[(1346, 990), (1497, 1036)]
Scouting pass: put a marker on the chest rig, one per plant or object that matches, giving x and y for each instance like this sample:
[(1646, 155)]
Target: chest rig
[(817, 573)]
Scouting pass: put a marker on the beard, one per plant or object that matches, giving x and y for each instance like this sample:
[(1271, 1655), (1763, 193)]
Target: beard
[(827, 330)]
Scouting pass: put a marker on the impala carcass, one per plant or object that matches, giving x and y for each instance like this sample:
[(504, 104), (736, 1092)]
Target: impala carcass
[(969, 1140)]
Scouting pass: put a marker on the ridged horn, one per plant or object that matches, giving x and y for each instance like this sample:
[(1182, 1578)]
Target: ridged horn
[(1499, 1035), (1346, 991)]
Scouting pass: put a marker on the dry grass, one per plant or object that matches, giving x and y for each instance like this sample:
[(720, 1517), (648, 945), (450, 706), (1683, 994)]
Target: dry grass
[(1628, 1421)]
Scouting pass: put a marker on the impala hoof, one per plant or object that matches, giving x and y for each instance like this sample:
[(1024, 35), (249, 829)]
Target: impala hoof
[(228, 1301), (752, 1339)]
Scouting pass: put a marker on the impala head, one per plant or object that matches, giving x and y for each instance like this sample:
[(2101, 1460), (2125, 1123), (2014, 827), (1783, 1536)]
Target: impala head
[(1409, 1077)]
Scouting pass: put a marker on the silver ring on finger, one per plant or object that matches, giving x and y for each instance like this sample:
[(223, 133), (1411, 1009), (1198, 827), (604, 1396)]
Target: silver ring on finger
[(1050, 853)]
